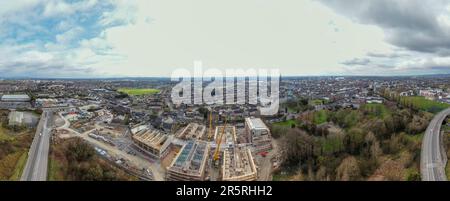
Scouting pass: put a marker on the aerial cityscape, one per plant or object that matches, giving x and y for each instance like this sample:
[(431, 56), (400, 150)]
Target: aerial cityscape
[(322, 91), (327, 128)]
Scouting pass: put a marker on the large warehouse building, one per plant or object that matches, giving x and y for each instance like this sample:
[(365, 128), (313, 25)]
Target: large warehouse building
[(19, 101), (16, 98), (258, 134)]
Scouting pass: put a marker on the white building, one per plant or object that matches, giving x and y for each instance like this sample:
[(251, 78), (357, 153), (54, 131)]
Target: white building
[(258, 134), (16, 98)]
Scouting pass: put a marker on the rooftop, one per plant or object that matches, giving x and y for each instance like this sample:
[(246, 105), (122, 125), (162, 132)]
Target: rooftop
[(15, 97), (191, 159), (255, 123)]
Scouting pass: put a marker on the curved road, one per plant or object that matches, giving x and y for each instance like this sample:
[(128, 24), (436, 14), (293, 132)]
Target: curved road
[(433, 157)]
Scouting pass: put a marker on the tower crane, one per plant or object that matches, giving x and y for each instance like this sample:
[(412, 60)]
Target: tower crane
[(219, 141), (210, 125)]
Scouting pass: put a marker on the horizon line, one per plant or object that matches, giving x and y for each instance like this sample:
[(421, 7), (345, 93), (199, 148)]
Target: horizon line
[(168, 77)]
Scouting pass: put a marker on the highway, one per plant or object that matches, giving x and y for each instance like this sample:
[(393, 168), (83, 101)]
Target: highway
[(433, 157), (36, 166)]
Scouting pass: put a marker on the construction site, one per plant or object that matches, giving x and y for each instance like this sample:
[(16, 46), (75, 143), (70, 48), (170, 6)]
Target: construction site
[(192, 131), (190, 163), (152, 141), (225, 136), (237, 160), (238, 165), (198, 152)]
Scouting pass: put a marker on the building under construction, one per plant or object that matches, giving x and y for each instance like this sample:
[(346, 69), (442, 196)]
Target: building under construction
[(152, 141), (193, 131), (190, 162), (228, 136), (238, 165), (258, 134)]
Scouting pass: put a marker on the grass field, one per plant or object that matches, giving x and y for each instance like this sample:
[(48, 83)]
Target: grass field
[(13, 152), (138, 92), (421, 103), (316, 102), (287, 123)]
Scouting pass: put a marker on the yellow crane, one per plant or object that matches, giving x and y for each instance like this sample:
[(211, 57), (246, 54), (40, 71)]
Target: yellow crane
[(219, 141), (210, 125)]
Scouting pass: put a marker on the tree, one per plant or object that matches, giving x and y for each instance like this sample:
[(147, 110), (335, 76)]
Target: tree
[(348, 170), (278, 131), (79, 151), (299, 147), (391, 170), (379, 129), (354, 140), (371, 147)]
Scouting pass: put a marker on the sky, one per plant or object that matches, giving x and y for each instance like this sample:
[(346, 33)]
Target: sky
[(145, 38)]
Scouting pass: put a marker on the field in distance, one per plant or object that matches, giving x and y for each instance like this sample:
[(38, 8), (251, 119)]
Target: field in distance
[(138, 91)]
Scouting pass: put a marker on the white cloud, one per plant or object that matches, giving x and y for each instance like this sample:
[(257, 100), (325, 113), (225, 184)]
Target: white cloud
[(299, 37), (57, 7), (154, 37), (68, 36)]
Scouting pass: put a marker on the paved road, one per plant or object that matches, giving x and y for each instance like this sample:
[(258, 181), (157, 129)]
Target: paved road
[(433, 157), (36, 166)]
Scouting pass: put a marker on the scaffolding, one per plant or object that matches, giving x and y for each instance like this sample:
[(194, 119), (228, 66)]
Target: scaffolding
[(192, 131), (238, 165), (152, 141)]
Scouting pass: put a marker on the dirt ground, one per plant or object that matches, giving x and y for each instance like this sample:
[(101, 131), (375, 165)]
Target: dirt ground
[(265, 164)]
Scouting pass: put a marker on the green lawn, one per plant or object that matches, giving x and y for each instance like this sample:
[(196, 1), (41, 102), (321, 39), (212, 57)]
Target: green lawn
[(138, 92), (316, 102), (424, 104), (287, 123)]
